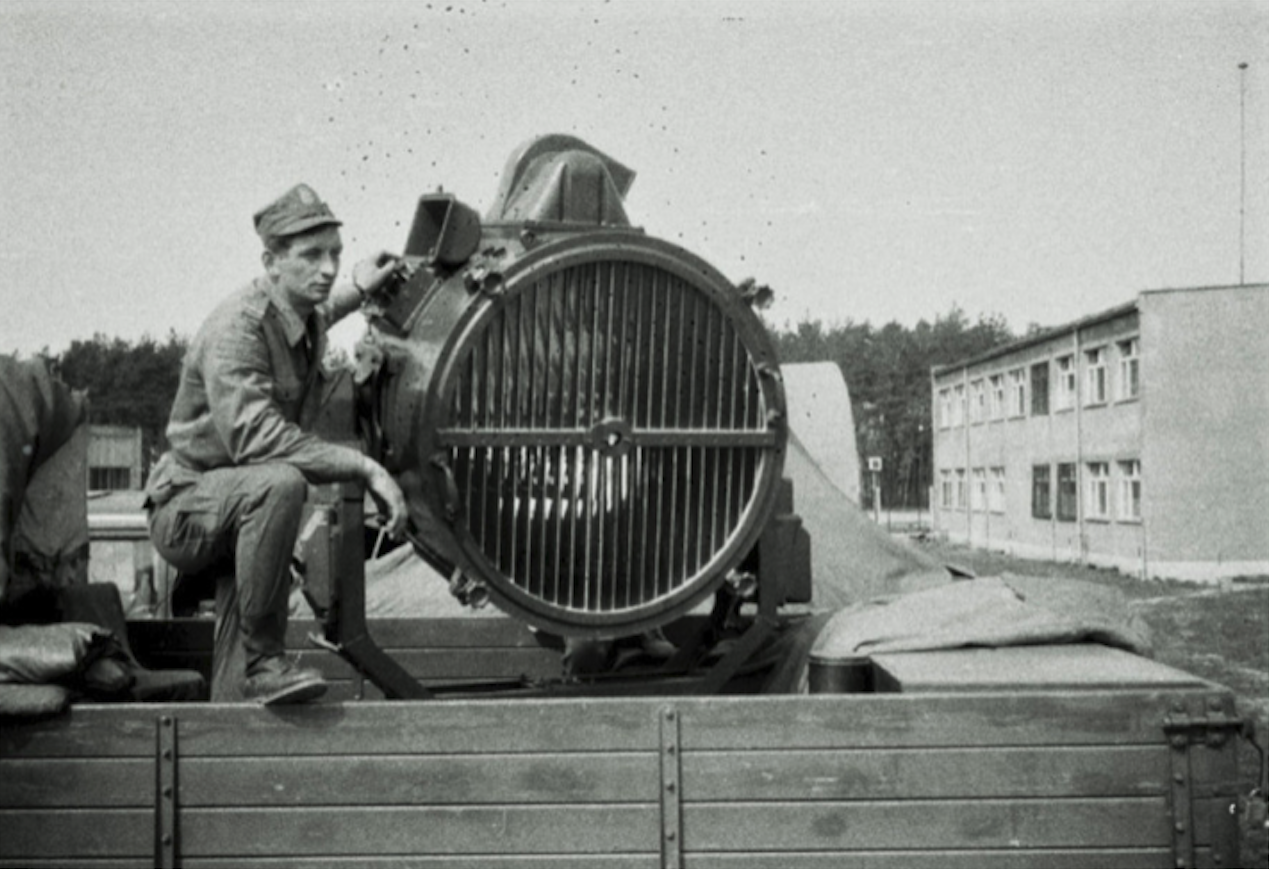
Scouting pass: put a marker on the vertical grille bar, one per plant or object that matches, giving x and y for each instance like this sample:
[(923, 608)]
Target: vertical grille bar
[(545, 514), (736, 376), (575, 290), (603, 466), (588, 456), (660, 551), (672, 523), (559, 307), (527, 488), (500, 455), (695, 541), (510, 515), (473, 503), (715, 456), (634, 561)]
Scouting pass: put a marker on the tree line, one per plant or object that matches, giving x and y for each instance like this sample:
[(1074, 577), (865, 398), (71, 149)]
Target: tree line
[(887, 372), (127, 383)]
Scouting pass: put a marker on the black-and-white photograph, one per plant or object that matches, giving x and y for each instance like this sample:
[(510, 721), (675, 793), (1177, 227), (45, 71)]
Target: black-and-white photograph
[(722, 434)]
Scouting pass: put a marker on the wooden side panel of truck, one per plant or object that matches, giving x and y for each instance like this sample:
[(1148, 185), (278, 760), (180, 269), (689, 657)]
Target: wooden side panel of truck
[(969, 772)]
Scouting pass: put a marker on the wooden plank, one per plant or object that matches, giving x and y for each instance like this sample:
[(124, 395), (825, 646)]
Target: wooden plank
[(1046, 858), (1011, 859), (352, 689), (476, 632), (886, 774), (897, 720), (84, 731), (1027, 668), (922, 824), (596, 724), (31, 834), (448, 861), (191, 639), (76, 783), (421, 727), (489, 630), (127, 730), (190, 635), (367, 831), (450, 664), (623, 777), (79, 863)]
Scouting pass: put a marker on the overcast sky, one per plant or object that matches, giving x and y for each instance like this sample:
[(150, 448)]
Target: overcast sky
[(870, 161)]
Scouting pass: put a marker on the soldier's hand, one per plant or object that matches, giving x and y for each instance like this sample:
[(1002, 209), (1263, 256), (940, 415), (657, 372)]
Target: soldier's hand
[(374, 273), (389, 497)]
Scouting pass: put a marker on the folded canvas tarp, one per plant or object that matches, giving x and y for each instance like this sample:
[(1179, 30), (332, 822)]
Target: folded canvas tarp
[(852, 558), (988, 612)]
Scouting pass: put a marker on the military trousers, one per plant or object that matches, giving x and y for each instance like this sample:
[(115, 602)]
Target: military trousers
[(239, 523)]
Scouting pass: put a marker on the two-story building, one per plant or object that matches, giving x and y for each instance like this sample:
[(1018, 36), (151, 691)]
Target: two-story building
[(1136, 438)]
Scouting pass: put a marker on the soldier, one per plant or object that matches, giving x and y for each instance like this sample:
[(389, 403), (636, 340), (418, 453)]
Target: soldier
[(232, 486)]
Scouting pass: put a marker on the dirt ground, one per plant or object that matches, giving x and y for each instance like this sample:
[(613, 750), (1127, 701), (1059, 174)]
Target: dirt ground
[(1218, 632)]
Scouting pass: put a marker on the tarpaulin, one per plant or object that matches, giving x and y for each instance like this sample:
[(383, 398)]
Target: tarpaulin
[(38, 415), (988, 611), (49, 653)]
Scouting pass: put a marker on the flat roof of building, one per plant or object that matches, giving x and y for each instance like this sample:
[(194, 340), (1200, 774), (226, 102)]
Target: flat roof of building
[(1043, 335)]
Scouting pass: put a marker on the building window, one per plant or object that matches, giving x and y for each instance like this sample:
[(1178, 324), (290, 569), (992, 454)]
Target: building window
[(1040, 389), (1129, 373), (109, 479), (945, 408), (1130, 490), (958, 405), (1018, 392), (997, 404), (1065, 397), (1095, 376), (1067, 493), (1097, 491), (978, 492), (1041, 492), (996, 493), (960, 489), (945, 489), (977, 401)]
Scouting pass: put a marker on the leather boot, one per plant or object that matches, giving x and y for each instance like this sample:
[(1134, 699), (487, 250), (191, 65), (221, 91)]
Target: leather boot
[(277, 681)]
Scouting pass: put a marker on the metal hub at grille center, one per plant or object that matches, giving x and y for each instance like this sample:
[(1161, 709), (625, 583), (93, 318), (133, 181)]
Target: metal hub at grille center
[(612, 438)]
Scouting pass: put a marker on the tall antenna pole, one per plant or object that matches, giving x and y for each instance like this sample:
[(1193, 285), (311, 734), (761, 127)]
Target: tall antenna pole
[(1242, 170)]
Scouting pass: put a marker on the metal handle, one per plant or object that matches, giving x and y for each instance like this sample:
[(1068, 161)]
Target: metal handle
[(441, 463)]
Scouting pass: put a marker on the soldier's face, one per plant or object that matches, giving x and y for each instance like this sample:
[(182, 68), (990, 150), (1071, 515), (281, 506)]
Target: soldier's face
[(305, 272)]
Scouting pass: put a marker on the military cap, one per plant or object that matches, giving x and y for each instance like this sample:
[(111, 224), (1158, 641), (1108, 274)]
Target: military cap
[(297, 210)]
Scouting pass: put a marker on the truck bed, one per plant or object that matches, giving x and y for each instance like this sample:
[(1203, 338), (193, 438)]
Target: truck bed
[(941, 765)]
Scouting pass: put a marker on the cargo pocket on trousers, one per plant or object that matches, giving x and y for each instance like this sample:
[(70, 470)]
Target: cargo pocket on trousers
[(186, 539)]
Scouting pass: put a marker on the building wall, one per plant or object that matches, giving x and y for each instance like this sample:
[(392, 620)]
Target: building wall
[(1110, 434), (114, 457), (1085, 431), (1207, 432), (1170, 481)]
